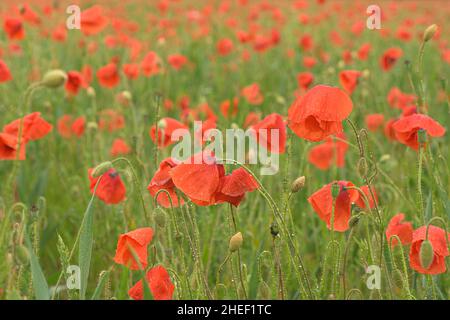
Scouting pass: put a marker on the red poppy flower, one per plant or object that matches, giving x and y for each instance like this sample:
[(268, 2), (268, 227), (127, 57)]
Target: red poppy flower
[(397, 227), (263, 131), (309, 62), (390, 57), (329, 152), (166, 126), (5, 74), (111, 120), (67, 127), (364, 50), (93, 21), (14, 29), (177, 61), (9, 146), (361, 203), (389, 131), (306, 42), (132, 245), (28, 14), (251, 119), (74, 82), (305, 79), (131, 70), (319, 113), (349, 80), (151, 64), (163, 180), (437, 237), (199, 178), (406, 129), (111, 189), (108, 76), (252, 94), (224, 47), (119, 147), (234, 187), (322, 203), (34, 127), (374, 121), (229, 108), (397, 99), (159, 283)]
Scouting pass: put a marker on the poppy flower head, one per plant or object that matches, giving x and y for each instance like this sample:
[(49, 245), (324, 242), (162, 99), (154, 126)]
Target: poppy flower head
[(74, 82), (390, 57), (360, 202), (108, 76), (322, 203), (34, 127), (319, 113), (132, 245), (400, 228), (374, 121), (111, 120), (304, 80), (177, 61), (110, 189), (272, 124), (252, 94), (5, 74), (14, 28), (159, 282), (406, 129), (331, 151), (349, 80), (234, 187), (8, 147), (162, 180), (93, 21), (166, 127), (119, 147), (438, 239)]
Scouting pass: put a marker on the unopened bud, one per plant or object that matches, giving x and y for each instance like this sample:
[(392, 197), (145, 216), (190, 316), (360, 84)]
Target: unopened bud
[(162, 124), (235, 242), (298, 184), (92, 125), (90, 92), (362, 167), (160, 217), (426, 254), (54, 78), (101, 169), (429, 32)]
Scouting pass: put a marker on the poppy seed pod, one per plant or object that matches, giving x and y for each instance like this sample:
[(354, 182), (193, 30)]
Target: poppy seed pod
[(429, 32), (101, 169), (426, 254), (335, 189), (235, 242), (54, 78), (298, 184), (421, 136)]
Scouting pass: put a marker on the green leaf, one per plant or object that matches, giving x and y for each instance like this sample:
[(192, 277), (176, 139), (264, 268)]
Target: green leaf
[(40, 285)]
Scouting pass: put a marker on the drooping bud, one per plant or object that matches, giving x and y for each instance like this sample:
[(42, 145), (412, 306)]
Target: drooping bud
[(162, 124), (366, 73), (335, 190), (127, 95), (91, 125), (426, 254), (235, 242), (160, 217), (362, 167), (298, 184), (101, 169), (429, 32), (54, 78)]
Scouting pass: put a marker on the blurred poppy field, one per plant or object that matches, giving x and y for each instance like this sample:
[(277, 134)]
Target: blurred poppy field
[(93, 205)]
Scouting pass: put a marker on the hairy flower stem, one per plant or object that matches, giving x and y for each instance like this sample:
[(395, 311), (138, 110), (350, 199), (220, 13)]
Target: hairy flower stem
[(233, 219), (299, 267), (278, 268), (344, 262), (420, 206)]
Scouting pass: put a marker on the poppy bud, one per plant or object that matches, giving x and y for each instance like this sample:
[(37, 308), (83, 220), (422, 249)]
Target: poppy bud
[(421, 136), (298, 184), (362, 167), (90, 92), (280, 99), (92, 125), (160, 217), (366, 73), (54, 78), (335, 190), (127, 95), (429, 32), (101, 169), (235, 242), (426, 254), (22, 255), (162, 124)]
